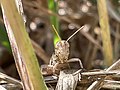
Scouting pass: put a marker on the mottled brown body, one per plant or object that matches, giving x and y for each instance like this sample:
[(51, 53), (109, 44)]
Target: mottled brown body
[(62, 51), (60, 57)]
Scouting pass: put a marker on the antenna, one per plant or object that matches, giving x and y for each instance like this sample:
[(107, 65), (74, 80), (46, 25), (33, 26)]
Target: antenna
[(75, 33), (56, 32)]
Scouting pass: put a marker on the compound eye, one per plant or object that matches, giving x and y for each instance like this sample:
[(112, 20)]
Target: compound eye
[(56, 55), (59, 53)]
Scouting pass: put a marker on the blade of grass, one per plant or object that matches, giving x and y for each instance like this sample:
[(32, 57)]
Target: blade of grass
[(52, 5), (25, 58), (105, 32)]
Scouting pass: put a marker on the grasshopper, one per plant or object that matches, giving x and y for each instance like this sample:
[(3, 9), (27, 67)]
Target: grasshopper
[(60, 65), (67, 78), (60, 56)]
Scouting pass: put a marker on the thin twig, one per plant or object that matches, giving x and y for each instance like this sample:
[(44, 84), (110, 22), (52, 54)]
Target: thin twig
[(111, 85), (96, 73), (10, 79), (96, 84)]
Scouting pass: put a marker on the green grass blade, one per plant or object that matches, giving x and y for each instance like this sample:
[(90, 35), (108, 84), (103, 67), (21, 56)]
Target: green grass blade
[(52, 5)]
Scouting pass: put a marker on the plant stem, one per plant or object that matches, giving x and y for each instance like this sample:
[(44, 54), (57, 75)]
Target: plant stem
[(52, 5), (22, 49), (105, 32)]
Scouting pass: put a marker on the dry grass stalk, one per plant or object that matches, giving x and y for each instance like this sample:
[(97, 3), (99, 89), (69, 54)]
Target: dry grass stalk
[(105, 32), (25, 58), (97, 84)]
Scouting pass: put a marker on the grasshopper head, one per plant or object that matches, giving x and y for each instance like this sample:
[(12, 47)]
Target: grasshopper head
[(62, 51), (62, 47)]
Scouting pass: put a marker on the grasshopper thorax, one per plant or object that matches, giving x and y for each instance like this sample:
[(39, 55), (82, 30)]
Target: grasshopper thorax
[(62, 51)]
